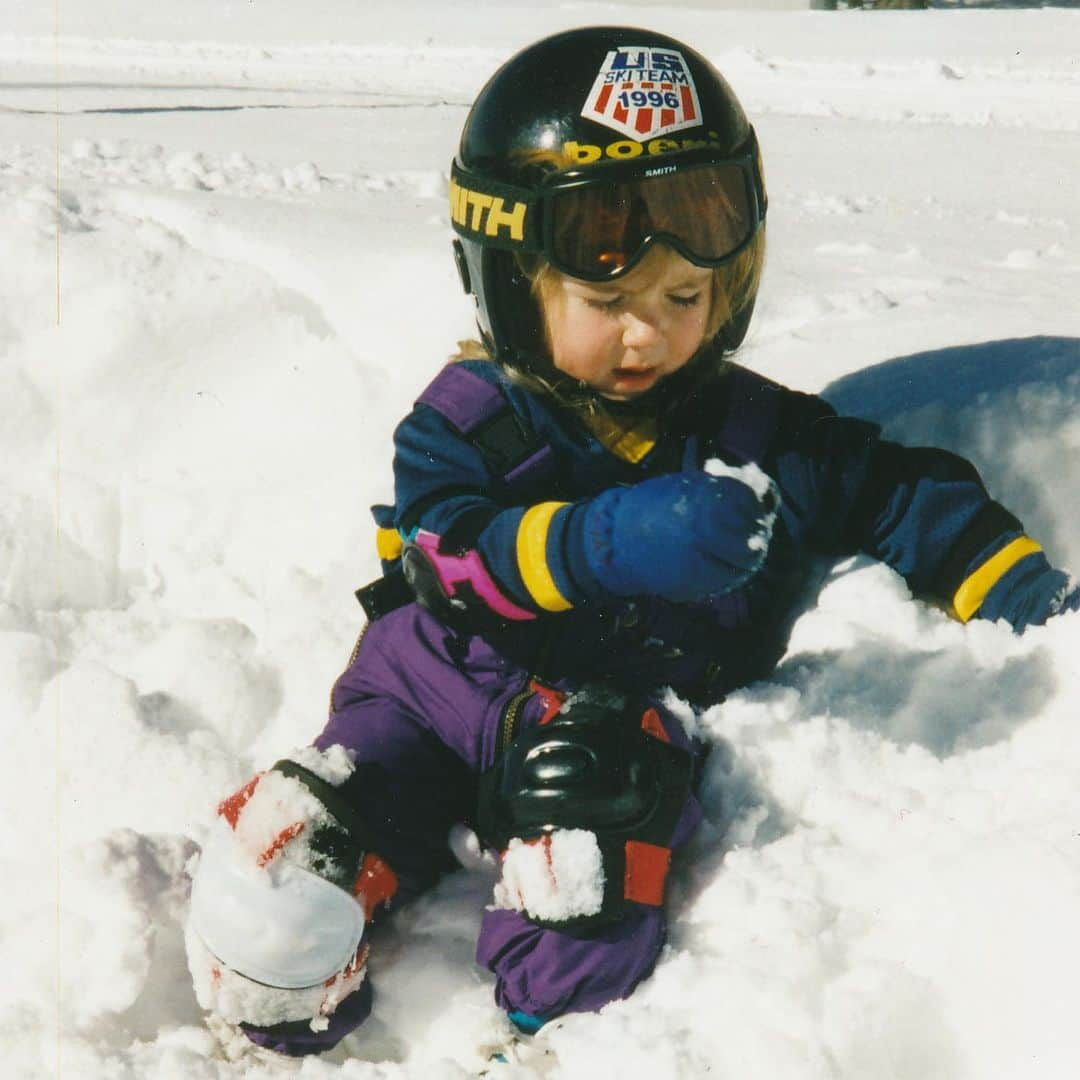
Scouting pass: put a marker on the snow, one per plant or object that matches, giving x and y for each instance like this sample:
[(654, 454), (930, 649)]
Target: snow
[(762, 486), (560, 876), (227, 275)]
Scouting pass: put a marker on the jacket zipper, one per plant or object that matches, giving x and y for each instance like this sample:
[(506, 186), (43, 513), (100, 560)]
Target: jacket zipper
[(352, 660), (512, 709), (511, 714)]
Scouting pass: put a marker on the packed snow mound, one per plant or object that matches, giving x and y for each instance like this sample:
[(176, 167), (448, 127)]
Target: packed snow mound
[(208, 330), (1013, 406)]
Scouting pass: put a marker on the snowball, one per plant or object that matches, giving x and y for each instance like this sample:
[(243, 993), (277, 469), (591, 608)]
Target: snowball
[(465, 845), (751, 475), (762, 486), (334, 764), (560, 876)]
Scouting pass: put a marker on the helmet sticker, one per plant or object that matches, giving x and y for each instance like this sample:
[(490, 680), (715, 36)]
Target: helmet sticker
[(643, 92)]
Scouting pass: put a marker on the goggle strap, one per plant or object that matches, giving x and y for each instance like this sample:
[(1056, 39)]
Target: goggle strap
[(509, 217), (499, 215)]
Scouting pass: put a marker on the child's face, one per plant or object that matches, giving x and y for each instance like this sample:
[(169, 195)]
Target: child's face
[(623, 337)]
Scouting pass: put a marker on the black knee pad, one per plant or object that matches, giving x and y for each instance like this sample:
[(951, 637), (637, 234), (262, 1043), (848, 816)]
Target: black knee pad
[(600, 766)]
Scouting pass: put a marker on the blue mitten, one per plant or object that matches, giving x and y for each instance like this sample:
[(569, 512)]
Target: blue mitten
[(685, 536), (1030, 593)]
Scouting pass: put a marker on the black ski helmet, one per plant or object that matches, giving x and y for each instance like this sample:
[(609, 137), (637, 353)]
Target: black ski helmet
[(589, 110)]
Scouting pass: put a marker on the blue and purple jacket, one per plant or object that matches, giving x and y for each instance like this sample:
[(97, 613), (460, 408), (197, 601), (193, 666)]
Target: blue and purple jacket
[(510, 531)]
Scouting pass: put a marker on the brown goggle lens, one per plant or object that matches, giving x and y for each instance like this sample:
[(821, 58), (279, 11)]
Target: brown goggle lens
[(600, 230)]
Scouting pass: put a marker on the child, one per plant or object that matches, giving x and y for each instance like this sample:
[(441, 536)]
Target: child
[(596, 507)]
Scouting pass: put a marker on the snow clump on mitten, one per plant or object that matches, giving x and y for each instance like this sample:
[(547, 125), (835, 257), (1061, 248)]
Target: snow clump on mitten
[(554, 878), (761, 484)]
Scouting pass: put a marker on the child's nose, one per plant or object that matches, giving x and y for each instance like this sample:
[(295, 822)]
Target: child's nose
[(640, 330)]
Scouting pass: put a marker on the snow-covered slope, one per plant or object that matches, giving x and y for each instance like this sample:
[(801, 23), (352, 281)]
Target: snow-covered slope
[(226, 275)]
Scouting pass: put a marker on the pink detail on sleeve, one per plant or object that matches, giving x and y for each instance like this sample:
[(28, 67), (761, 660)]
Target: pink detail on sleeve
[(454, 570)]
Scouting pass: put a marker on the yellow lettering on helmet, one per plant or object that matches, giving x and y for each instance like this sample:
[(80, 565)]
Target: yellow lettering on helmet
[(457, 202), (488, 212), (585, 153), (581, 153), (514, 219), (479, 204), (661, 146)]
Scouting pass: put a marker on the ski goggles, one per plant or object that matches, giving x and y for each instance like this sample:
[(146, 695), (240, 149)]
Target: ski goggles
[(596, 223)]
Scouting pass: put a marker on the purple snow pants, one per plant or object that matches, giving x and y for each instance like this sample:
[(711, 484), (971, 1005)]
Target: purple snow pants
[(419, 706)]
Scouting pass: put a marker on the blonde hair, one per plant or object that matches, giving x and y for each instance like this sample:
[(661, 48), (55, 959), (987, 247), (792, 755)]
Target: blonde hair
[(734, 285)]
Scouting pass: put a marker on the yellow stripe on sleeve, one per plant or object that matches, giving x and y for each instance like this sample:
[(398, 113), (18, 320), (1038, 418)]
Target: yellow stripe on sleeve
[(972, 592), (532, 537), (388, 544)]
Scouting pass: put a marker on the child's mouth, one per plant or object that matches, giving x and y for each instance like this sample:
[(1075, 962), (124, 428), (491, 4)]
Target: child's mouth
[(635, 378)]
